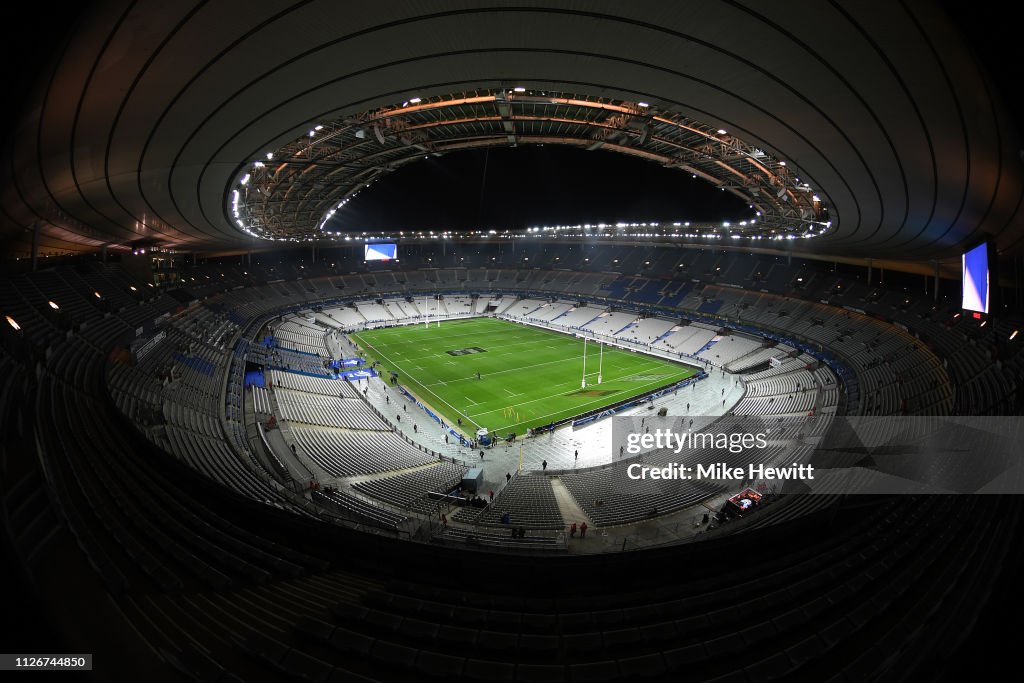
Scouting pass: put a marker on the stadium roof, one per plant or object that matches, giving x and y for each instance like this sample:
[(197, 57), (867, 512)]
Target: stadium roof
[(153, 115)]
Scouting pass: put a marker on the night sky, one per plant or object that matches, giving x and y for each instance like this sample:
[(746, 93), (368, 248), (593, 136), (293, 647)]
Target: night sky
[(533, 185)]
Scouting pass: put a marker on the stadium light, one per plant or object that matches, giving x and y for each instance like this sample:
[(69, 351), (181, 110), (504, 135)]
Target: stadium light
[(519, 88), (53, 305), (1014, 335), (13, 323)]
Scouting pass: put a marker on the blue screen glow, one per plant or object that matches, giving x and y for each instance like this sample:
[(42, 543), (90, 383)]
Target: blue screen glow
[(380, 252), (975, 279)]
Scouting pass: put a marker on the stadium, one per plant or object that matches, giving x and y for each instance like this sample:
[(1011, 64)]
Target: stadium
[(558, 342)]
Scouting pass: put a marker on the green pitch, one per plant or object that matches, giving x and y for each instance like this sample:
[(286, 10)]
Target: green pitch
[(529, 377)]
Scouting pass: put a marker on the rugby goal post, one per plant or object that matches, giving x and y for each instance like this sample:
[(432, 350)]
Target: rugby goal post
[(600, 363)]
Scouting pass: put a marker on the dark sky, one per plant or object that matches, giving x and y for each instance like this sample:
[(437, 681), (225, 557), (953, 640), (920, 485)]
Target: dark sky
[(533, 185)]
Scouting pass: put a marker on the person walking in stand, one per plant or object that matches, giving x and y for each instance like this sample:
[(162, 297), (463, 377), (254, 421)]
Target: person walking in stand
[(508, 477), (572, 530), (583, 530), (544, 465), (490, 494)]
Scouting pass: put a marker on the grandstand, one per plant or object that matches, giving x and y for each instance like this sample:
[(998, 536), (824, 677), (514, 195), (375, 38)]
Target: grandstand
[(366, 473)]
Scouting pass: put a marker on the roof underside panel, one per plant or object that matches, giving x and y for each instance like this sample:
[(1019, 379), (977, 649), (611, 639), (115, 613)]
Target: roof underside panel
[(154, 110)]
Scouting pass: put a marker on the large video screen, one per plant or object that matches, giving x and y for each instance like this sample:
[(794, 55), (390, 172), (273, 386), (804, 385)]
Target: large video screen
[(380, 251), (975, 279)]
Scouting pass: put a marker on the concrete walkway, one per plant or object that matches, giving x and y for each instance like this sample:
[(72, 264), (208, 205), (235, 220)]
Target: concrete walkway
[(567, 505)]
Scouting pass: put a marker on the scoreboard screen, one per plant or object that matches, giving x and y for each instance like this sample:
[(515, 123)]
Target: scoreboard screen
[(976, 279), (380, 251)]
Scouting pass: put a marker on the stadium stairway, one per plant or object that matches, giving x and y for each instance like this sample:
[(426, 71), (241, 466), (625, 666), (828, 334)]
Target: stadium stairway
[(666, 334), (706, 346), (561, 315), (618, 332), (567, 505)]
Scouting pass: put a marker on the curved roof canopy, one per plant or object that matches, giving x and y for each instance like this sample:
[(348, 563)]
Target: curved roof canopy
[(154, 112), (295, 190)]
